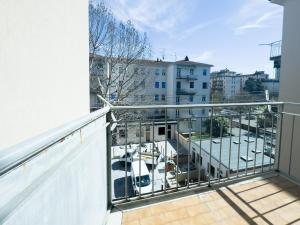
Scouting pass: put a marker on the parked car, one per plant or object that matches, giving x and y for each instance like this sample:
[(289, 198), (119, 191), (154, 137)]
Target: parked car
[(140, 179), (127, 157), (227, 112), (251, 117)]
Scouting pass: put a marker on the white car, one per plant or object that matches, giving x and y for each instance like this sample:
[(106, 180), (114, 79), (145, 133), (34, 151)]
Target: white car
[(140, 179), (127, 157)]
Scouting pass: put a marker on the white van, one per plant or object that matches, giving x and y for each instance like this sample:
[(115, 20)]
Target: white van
[(144, 181)]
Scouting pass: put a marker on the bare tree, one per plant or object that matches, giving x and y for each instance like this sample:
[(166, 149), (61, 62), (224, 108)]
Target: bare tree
[(122, 49)]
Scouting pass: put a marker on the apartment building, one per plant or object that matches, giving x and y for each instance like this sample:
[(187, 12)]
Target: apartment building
[(230, 84), (160, 83)]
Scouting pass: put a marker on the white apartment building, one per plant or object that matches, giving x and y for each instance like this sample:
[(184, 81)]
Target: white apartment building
[(230, 84), (172, 83)]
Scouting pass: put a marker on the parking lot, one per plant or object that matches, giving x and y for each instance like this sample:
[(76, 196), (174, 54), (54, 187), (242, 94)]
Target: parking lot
[(119, 174)]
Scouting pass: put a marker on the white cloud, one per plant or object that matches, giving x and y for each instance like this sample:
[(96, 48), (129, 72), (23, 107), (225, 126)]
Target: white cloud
[(254, 14), (260, 22), (158, 15), (206, 55), (191, 30), (161, 16)]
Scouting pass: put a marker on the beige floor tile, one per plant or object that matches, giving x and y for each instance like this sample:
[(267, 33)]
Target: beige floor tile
[(197, 209), (269, 201), (176, 214), (135, 222)]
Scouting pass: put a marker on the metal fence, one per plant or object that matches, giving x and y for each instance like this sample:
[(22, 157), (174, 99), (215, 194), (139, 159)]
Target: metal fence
[(227, 142)]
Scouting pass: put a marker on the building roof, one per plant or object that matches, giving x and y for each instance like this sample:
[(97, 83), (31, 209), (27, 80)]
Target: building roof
[(225, 150), (191, 63), (160, 62)]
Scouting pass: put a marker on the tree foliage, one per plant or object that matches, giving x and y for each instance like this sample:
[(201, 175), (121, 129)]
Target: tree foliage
[(119, 46), (253, 86), (216, 126)]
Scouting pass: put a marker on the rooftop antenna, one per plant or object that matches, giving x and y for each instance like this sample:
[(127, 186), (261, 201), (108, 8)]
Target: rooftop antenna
[(163, 54)]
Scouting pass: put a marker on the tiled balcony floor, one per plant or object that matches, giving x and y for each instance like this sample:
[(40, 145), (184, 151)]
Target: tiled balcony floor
[(268, 201)]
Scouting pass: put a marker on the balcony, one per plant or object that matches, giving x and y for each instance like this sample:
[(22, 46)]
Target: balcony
[(151, 171), (275, 52), (187, 77), (180, 91)]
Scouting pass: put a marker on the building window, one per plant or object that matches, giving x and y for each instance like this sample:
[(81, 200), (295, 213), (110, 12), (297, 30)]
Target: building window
[(163, 72), (191, 71), (177, 100), (191, 98), (122, 133), (203, 98), (156, 85), (177, 113), (190, 112), (203, 111), (161, 131), (137, 133), (178, 85), (192, 84), (178, 72), (204, 85), (143, 84), (163, 84), (163, 97), (156, 97), (142, 97), (204, 72), (157, 72)]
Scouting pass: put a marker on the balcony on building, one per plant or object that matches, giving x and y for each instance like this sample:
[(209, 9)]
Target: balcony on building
[(186, 77), (181, 91)]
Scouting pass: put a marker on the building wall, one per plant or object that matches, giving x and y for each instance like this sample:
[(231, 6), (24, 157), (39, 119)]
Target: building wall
[(43, 66), (65, 184), (289, 88), (133, 132)]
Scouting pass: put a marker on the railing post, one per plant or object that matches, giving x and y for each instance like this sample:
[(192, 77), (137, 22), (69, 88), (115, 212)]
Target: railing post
[(281, 109), (220, 153), (255, 148), (264, 146), (126, 162), (153, 147), (271, 142), (140, 152), (239, 145), (200, 149), (230, 144), (108, 158), (189, 153), (166, 146), (177, 155), (248, 139), (210, 146), (291, 145)]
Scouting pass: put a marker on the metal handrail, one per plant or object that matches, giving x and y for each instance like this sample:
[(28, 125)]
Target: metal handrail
[(187, 106), (13, 157)]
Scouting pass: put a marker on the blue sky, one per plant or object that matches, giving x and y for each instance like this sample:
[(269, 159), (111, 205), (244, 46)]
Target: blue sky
[(225, 33)]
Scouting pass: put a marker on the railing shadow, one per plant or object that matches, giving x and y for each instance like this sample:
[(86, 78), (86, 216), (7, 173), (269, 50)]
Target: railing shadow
[(277, 182)]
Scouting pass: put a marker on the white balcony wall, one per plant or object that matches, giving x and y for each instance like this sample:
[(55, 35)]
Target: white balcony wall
[(289, 88), (44, 66), (65, 184)]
